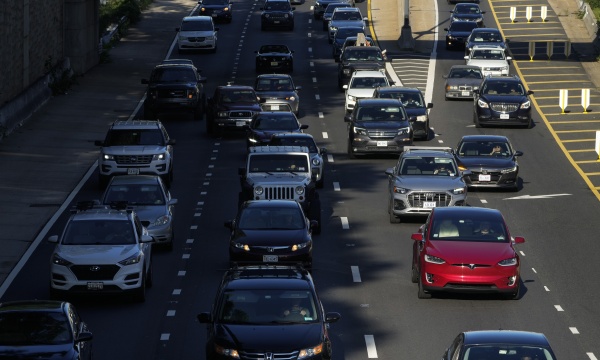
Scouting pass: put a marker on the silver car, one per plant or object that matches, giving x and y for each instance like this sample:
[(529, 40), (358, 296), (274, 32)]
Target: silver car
[(278, 88), (151, 200), (317, 162), (461, 81)]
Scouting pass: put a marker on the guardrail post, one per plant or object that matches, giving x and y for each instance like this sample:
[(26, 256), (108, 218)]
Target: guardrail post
[(585, 99), (544, 13), (513, 13), (549, 49), (531, 50), (528, 13), (563, 99)]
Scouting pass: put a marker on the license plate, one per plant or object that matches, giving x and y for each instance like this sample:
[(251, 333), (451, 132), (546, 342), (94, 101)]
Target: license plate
[(504, 116), (270, 258), (95, 285), (429, 204), (274, 107), (276, 22), (133, 171), (214, 15), (485, 177), (274, 63), (382, 143), (466, 93), (240, 123)]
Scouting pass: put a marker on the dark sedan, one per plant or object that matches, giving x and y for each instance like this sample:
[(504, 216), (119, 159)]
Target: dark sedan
[(485, 36), (467, 12), (499, 344), (466, 249), (268, 123), (491, 159), (43, 329), (278, 58), (502, 100), (271, 231), (219, 10), (278, 89), (414, 104), (340, 37), (461, 81), (457, 33)]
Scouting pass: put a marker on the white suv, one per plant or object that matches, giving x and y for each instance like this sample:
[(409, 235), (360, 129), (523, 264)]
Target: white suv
[(491, 59), (362, 85), (134, 147)]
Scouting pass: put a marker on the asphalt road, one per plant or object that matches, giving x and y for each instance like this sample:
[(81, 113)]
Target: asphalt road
[(558, 259)]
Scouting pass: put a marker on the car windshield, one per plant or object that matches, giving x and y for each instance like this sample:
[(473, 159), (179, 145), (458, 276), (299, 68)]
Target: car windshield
[(124, 137), (238, 96), (271, 163), (271, 218), (503, 88), (469, 9), (215, 2), (463, 26), (274, 85), (380, 113), (430, 166), (173, 74), (346, 15), (343, 33), (135, 194), (268, 307), (291, 141), (278, 6), (482, 36), (476, 229), (408, 99), (266, 122), (484, 148), (487, 54), (462, 73), (274, 49), (362, 55), (99, 232), (23, 328), (525, 352), (196, 26), (368, 82), (331, 7)]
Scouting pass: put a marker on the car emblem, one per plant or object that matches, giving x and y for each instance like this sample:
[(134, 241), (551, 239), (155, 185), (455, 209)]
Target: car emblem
[(483, 171), (270, 249), (471, 266), (133, 158), (95, 268), (429, 195), (269, 356)]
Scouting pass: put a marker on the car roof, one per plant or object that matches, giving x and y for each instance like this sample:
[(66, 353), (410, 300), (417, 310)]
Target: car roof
[(466, 211), (267, 277), (283, 114), (338, 4), (398, 89), (135, 179), (368, 73), (32, 305), (496, 138), (465, 5), (197, 18), (505, 337), (485, 29)]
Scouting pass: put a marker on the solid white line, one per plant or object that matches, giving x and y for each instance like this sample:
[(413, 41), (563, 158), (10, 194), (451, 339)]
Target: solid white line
[(371, 350), (170, 312), (325, 135), (336, 186), (591, 356), (329, 158), (558, 308), (355, 274), (181, 273), (176, 292), (185, 256), (574, 330), (165, 337), (546, 288), (318, 97), (44, 232), (345, 224), (392, 74)]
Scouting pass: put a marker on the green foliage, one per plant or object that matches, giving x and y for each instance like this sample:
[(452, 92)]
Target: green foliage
[(61, 79), (595, 5), (114, 10)]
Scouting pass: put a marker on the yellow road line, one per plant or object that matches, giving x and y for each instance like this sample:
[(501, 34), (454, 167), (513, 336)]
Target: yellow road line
[(574, 131), (574, 121), (578, 141)]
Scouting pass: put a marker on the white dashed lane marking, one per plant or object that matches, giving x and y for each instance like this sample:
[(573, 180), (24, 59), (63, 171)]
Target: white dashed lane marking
[(165, 337), (193, 227), (355, 274), (170, 312), (546, 288), (321, 115), (574, 330), (336, 186), (325, 135), (591, 356), (558, 308), (176, 292), (371, 349), (329, 158), (345, 224), (181, 273)]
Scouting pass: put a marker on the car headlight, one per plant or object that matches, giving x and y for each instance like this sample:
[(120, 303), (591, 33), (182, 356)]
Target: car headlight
[(266, 15), (451, 87), (404, 131), (202, 9), (508, 262), (482, 104), (346, 71), (359, 131), (315, 161), (300, 246), (181, 37), (449, 37), (305, 353), (57, 260), (132, 260), (434, 259), (252, 140), (299, 190), (232, 353), (244, 247), (222, 114), (108, 157), (163, 220), (161, 156), (422, 118), (333, 28), (459, 191), (400, 190), (259, 190), (509, 170), (525, 105), (291, 98), (226, 9)]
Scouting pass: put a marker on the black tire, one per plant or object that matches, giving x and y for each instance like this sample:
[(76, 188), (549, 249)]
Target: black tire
[(476, 121), (517, 294), (422, 294), (351, 154), (320, 183), (149, 277), (414, 274), (168, 178), (169, 245), (140, 293), (529, 124), (393, 218), (315, 214)]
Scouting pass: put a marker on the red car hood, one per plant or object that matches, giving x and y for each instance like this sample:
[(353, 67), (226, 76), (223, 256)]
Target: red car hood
[(470, 252)]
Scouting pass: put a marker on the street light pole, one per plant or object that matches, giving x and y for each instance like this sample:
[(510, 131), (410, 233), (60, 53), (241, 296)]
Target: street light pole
[(406, 40)]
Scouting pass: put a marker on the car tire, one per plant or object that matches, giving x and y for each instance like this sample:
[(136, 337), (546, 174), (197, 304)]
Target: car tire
[(103, 181), (414, 274), (209, 125), (393, 218), (169, 245), (140, 293), (422, 294), (314, 213), (149, 276), (320, 183), (168, 178), (529, 124), (515, 295), (351, 154), (476, 121)]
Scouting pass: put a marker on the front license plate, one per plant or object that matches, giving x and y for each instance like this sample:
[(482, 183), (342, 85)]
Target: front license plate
[(429, 204), (270, 258), (382, 143), (485, 177), (133, 171), (274, 63), (214, 15), (466, 93), (274, 107), (240, 123), (95, 285), (504, 116)]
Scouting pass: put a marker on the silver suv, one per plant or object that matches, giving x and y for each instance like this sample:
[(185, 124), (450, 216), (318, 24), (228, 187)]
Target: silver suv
[(425, 177), (134, 147), (281, 173)]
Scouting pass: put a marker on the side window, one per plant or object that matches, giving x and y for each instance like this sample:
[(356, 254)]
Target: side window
[(165, 134), (75, 321), (458, 343)]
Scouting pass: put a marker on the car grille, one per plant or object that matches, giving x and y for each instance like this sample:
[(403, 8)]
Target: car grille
[(271, 249), (274, 356), (492, 69), (196, 39), (164, 93), (504, 107), (465, 87), (277, 16), (279, 193), (417, 199), (382, 134), (240, 114), (95, 272), (133, 159)]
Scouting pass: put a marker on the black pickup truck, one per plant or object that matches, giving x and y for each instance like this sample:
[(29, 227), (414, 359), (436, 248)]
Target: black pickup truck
[(231, 108)]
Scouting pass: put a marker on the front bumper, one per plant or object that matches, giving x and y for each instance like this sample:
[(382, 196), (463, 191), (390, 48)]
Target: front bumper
[(488, 116), (231, 124), (278, 22), (216, 14), (493, 279), (188, 44), (270, 254), (111, 167), (114, 278), (274, 65), (366, 145), (162, 234), (421, 203), (492, 179)]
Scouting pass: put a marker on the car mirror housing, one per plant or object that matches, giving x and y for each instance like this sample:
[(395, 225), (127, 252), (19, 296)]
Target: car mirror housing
[(228, 224), (204, 318), (332, 317), (389, 171), (518, 239), (417, 237)]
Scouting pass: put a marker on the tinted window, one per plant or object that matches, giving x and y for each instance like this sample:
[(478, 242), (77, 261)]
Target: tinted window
[(463, 26), (135, 194), (34, 328), (380, 113), (197, 26), (287, 218), (459, 73), (173, 74), (278, 163), (266, 122), (135, 137), (484, 148), (102, 232), (477, 228), (290, 141)]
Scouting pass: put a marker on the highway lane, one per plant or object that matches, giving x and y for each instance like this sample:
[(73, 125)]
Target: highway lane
[(384, 303)]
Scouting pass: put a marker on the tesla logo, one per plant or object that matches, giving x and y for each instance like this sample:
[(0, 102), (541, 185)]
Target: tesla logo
[(269, 356), (95, 268), (270, 249), (471, 266)]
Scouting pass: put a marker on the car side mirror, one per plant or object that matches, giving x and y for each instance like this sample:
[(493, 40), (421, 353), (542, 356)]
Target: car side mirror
[(507, 40), (298, 87), (476, 91), (216, 29), (412, 118), (202, 79), (204, 318), (518, 153), (332, 317), (293, 8), (429, 105), (518, 239), (146, 239), (347, 118), (445, 29), (228, 224), (53, 238), (303, 126), (444, 76), (417, 237), (389, 171), (171, 142), (84, 336), (465, 173), (483, 12), (242, 171), (345, 87), (508, 58), (529, 92)]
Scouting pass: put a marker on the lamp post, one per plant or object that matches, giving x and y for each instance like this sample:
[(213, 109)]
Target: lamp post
[(406, 39)]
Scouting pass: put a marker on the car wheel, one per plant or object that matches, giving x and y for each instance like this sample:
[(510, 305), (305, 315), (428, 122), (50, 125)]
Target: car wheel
[(314, 213), (168, 178), (529, 124), (414, 274), (351, 154), (422, 293), (517, 294), (214, 50), (149, 276), (169, 245), (476, 121), (140, 294), (321, 182), (393, 218)]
